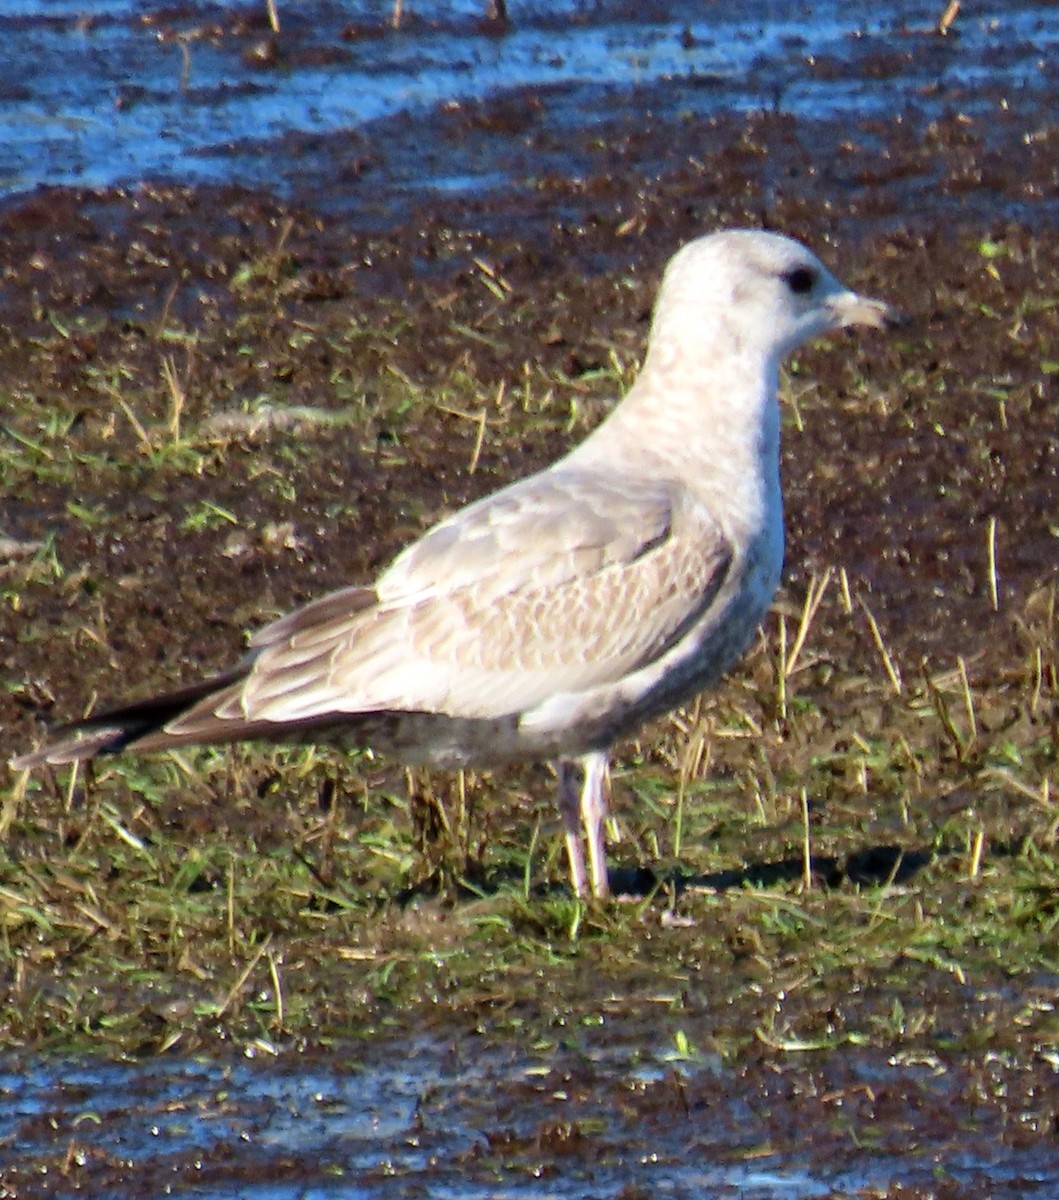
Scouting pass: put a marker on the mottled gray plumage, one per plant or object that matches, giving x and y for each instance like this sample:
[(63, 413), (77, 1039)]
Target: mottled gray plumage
[(556, 615)]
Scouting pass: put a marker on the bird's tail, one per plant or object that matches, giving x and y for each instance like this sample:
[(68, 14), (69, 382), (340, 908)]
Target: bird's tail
[(110, 731)]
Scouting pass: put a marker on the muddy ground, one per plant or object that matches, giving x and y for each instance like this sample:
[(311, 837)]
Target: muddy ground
[(143, 535)]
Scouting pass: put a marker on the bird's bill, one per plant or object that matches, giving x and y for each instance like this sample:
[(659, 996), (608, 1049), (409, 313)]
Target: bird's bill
[(850, 309)]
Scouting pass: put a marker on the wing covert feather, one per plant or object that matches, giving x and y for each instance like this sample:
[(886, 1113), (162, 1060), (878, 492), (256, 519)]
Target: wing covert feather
[(535, 531), (524, 596)]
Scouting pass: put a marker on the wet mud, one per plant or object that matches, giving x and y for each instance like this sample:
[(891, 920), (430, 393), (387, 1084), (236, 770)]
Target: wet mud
[(610, 1116)]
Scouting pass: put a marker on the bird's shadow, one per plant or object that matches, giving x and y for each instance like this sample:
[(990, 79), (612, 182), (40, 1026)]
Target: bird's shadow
[(872, 866)]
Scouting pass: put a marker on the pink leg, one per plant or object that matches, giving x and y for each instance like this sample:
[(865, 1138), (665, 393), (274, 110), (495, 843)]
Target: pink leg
[(593, 814), (570, 808), (584, 807)]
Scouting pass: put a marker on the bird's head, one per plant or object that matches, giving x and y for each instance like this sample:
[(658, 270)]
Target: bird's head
[(754, 292)]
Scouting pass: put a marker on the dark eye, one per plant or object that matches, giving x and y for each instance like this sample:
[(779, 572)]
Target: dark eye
[(800, 280)]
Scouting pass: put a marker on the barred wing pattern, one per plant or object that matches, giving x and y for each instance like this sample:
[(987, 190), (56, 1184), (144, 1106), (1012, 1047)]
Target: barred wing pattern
[(561, 584)]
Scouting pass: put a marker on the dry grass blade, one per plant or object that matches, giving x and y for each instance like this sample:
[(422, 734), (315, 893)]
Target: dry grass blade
[(889, 666), (782, 673), (944, 714), (492, 279), (948, 17), (13, 797), (277, 989), (974, 867), (1041, 795), (134, 421), (807, 849), (177, 397), (1038, 680), (244, 975), (814, 595), (847, 596), (694, 764), (472, 466), (994, 578), (968, 698)]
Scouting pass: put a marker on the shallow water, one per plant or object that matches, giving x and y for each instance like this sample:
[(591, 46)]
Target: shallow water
[(120, 91), (469, 1119)]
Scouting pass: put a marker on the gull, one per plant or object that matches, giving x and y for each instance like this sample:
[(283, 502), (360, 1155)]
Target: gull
[(555, 616)]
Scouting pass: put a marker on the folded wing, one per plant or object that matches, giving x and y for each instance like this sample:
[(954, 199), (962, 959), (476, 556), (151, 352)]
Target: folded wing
[(557, 585)]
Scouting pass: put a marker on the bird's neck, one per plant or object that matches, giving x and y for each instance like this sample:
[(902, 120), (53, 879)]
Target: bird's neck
[(715, 428)]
